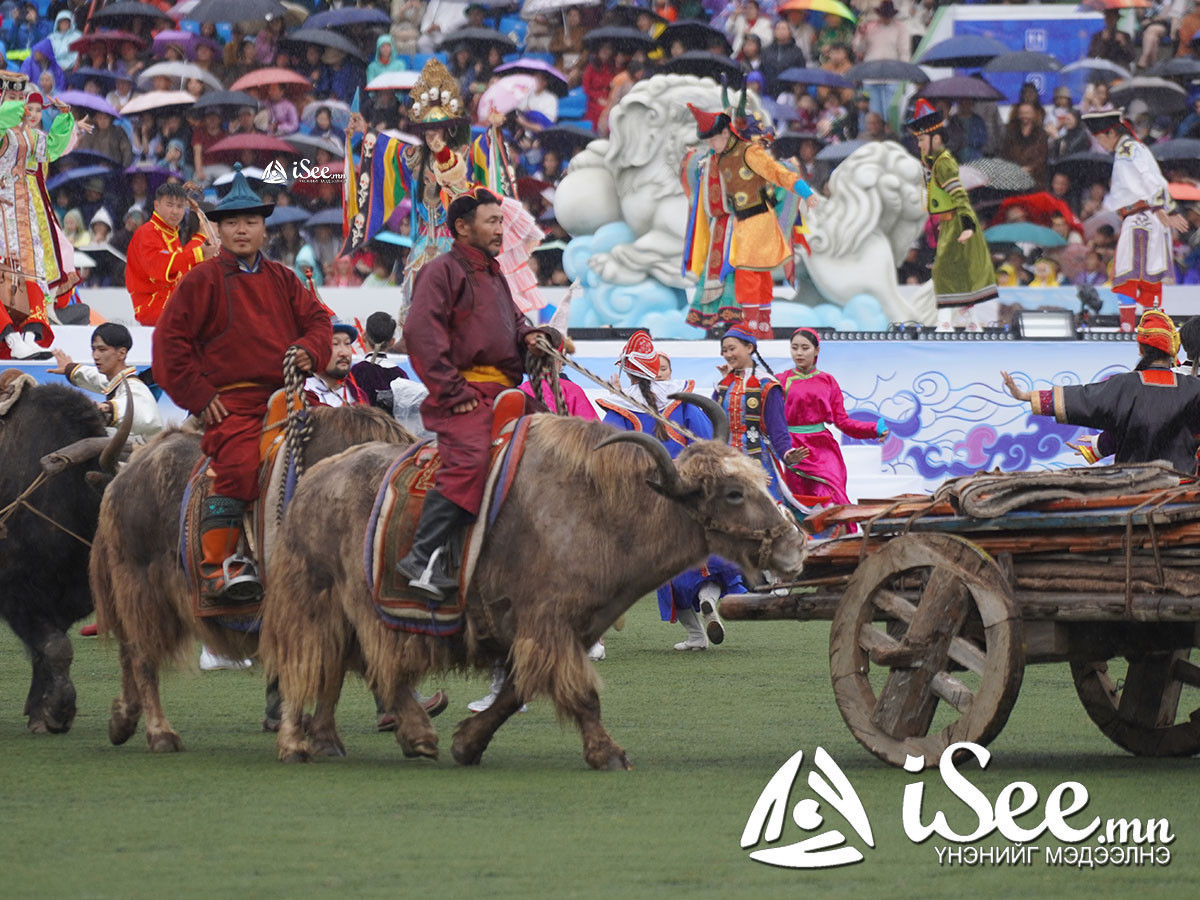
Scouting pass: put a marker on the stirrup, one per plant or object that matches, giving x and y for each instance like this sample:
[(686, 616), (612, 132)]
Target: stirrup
[(245, 587), (423, 583)]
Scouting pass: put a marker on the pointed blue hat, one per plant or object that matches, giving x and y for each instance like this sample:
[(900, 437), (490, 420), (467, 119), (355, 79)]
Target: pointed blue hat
[(241, 200)]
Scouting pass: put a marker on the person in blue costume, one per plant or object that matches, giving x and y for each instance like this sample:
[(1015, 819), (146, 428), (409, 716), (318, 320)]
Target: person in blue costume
[(694, 593)]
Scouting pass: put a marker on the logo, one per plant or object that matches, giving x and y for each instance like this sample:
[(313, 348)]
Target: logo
[(301, 170), (274, 173)]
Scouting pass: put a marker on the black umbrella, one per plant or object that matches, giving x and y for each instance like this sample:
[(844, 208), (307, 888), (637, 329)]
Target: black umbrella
[(1004, 176), (123, 13), (79, 77), (348, 17), (479, 37), (694, 35), (236, 11), (887, 70), (320, 38), (623, 13), (1181, 153), (225, 100), (1085, 165), (566, 136), (706, 65), (621, 38), (1179, 67), (1160, 95), (838, 152), (966, 51), (1022, 61), (960, 87), (788, 145), (813, 75)]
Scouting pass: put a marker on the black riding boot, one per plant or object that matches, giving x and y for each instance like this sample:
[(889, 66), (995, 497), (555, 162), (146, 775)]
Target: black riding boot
[(425, 566)]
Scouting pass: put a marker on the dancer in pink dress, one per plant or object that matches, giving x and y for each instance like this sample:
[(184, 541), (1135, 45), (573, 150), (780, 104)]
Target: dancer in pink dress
[(812, 399)]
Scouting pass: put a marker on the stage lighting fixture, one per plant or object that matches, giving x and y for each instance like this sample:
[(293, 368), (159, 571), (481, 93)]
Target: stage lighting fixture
[(1045, 325)]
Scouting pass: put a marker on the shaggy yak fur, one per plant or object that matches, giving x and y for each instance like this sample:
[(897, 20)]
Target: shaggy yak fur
[(141, 590), (44, 570), (581, 537)]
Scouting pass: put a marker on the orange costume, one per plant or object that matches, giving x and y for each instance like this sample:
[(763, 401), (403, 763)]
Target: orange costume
[(156, 262)]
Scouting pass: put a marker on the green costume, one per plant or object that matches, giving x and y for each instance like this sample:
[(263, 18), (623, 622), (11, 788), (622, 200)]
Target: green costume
[(962, 273)]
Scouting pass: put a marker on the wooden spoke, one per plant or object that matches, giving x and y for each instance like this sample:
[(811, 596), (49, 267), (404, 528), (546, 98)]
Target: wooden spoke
[(962, 651)]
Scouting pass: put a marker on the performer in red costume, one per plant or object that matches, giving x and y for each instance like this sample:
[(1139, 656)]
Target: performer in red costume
[(157, 260), (218, 353)]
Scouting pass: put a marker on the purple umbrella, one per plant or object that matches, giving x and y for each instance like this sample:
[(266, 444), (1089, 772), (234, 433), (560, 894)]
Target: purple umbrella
[(84, 100), (801, 75), (154, 175), (960, 87), (184, 40), (558, 81)]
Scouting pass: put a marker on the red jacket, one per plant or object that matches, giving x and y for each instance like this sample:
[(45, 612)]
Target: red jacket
[(225, 327), (155, 262)]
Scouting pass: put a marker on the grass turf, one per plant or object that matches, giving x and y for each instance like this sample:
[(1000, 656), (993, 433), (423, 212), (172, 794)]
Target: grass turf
[(705, 732)]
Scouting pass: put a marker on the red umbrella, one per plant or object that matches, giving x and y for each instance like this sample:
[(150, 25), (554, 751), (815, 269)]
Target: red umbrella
[(235, 144), (1186, 192), (84, 44), (1041, 208), (1102, 5), (261, 78)]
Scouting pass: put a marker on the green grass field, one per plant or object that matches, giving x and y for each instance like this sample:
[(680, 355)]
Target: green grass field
[(705, 732)]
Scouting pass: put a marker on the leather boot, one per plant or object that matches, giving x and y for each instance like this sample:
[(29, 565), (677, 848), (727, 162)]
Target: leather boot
[(224, 573), (426, 565)]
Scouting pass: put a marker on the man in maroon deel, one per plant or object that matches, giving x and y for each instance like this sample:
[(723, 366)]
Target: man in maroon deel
[(218, 353), (468, 342)]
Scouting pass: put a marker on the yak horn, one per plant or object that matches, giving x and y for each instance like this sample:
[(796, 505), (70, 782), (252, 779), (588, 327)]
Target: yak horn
[(712, 409), (671, 482), (111, 453)]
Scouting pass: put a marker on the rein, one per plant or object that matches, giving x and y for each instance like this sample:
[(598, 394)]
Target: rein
[(22, 500), (298, 429)]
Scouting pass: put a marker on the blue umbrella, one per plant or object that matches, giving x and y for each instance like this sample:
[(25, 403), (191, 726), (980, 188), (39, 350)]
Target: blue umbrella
[(1024, 233), (812, 75), (347, 17), (155, 175), (887, 70), (390, 237), (331, 216), (967, 51), (79, 156), (78, 78), (282, 215), (62, 178)]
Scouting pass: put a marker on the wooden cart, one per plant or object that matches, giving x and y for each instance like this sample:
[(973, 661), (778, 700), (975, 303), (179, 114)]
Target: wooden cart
[(936, 612)]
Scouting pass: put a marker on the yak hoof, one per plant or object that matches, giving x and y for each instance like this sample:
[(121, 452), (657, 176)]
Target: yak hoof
[(465, 756), (420, 749), (270, 725), (165, 742), (614, 760), (37, 725), (301, 755), (122, 723), (329, 747)]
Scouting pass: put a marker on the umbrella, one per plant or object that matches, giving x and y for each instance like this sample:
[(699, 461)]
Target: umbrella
[(505, 95), (83, 100), (1003, 175), (628, 39), (1080, 166), (79, 174), (82, 261), (960, 87), (225, 99), (1041, 208), (390, 237), (282, 215), (181, 70), (331, 216), (260, 78), (320, 38), (558, 81), (1179, 67), (1023, 61), (128, 11), (235, 10), (532, 8), (300, 141), (1102, 5), (1180, 149), (339, 112), (1186, 193), (531, 187), (155, 175), (1160, 95), (184, 40), (394, 81), (1098, 70), (253, 173), (106, 39), (1104, 217), (260, 143), (483, 38), (788, 145), (348, 17), (813, 75), (839, 151), (568, 135), (821, 6), (157, 100), (706, 65), (966, 51), (1024, 233), (886, 70), (623, 14), (971, 177), (694, 35), (80, 77), (80, 157)]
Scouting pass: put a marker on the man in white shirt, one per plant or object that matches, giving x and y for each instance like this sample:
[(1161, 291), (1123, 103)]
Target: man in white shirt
[(543, 100)]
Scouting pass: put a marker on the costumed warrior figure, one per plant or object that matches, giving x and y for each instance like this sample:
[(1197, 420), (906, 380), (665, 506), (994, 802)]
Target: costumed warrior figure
[(697, 591), (962, 270), (157, 259), (1141, 197), (734, 236), (37, 258), (816, 468), (1145, 415), (431, 176), (219, 347)]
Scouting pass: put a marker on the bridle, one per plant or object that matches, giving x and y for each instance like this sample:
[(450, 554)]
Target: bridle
[(766, 537)]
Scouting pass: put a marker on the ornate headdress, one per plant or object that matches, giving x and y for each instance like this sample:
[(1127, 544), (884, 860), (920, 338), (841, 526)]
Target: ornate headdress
[(708, 124), (436, 102), (639, 358), (1158, 331), (925, 119), (1100, 122)]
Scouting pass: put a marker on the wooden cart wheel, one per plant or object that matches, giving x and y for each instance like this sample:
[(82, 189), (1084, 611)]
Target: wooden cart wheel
[(1141, 715), (963, 621)]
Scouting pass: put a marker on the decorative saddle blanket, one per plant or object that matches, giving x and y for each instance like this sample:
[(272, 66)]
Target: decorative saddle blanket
[(393, 525)]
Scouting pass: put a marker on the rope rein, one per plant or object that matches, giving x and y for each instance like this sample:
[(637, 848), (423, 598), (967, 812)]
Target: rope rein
[(298, 429), (22, 500)]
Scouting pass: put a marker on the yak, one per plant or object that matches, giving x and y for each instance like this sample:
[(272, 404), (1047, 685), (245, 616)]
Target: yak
[(43, 566), (595, 520), (142, 593)]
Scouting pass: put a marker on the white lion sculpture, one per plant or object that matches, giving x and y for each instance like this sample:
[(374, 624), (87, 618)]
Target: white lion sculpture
[(634, 176), (874, 213)]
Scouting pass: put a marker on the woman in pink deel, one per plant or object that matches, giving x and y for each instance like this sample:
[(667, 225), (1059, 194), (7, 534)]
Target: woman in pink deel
[(812, 399)]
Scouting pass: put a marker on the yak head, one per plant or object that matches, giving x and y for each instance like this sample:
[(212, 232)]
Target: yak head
[(726, 492)]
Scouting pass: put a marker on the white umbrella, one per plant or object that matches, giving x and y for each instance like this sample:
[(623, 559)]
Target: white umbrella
[(533, 8), (339, 112), (249, 171), (180, 70), (156, 100), (404, 136), (404, 80), (505, 95)]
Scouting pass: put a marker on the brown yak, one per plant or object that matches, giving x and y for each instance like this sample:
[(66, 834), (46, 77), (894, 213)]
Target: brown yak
[(595, 520), (139, 586)]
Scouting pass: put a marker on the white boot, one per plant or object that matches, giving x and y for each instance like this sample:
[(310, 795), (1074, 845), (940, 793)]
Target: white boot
[(713, 627), (696, 639), (19, 347), (596, 653), (499, 673), (944, 326), (964, 317)]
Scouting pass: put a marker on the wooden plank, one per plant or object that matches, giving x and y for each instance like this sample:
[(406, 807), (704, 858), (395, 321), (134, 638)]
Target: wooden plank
[(1076, 607), (1186, 672), (961, 650), (953, 691)]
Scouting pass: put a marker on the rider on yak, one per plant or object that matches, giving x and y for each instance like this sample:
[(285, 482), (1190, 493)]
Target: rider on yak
[(219, 348)]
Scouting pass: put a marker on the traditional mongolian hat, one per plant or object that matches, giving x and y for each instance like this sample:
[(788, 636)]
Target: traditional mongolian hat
[(741, 332), (465, 204), (436, 102), (925, 119), (340, 327), (240, 200), (1158, 331), (709, 124), (639, 358), (1100, 122)]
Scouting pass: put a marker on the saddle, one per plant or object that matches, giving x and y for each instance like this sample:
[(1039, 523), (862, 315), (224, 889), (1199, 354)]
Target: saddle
[(397, 509)]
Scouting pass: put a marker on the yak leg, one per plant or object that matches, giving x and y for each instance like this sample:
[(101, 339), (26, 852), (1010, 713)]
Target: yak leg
[(323, 731), (599, 749), (291, 745), (161, 737), (474, 734), (126, 709), (37, 683), (274, 706), (414, 732), (50, 704)]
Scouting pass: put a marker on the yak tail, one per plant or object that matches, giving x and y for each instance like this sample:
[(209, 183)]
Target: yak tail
[(552, 662)]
